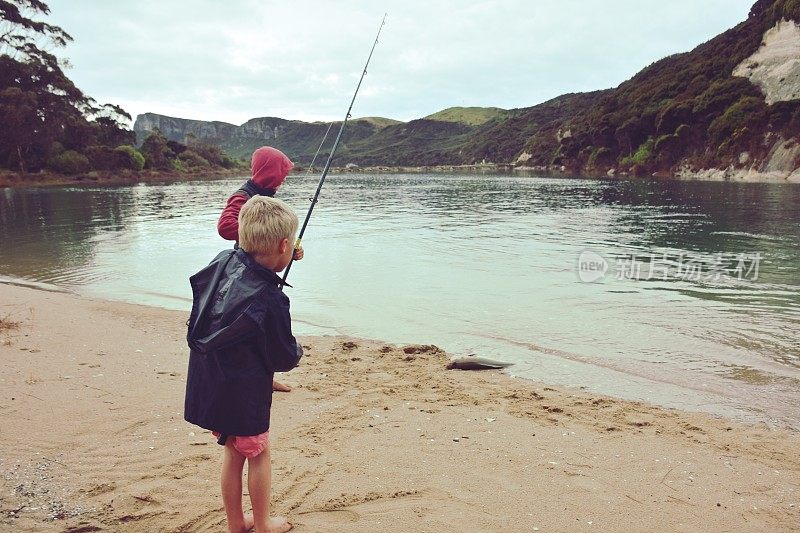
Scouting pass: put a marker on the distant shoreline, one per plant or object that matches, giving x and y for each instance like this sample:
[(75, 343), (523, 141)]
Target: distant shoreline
[(107, 178), (93, 179)]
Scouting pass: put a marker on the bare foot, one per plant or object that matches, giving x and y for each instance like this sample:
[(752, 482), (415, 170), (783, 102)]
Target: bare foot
[(246, 526), (279, 524), (280, 387)]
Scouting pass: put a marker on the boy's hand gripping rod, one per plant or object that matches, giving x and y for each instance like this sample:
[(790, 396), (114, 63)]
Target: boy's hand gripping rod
[(330, 157)]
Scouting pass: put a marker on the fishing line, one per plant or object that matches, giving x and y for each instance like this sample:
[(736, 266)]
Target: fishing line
[(330, 156), (311, 166)]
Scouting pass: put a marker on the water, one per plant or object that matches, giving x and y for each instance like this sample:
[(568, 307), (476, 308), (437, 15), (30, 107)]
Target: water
[(487, 265)]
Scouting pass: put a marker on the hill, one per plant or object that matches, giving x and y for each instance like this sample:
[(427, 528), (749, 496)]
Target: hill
[(732, 103), (690, 110)]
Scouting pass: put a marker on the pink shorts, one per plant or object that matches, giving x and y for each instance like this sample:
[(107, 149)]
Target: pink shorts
[(249, 446)]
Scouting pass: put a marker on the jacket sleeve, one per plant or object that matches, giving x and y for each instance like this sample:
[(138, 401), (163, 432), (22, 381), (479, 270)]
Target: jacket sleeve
[(283, 353), (228, 223)]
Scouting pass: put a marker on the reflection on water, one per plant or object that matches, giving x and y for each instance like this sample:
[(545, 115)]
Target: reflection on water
[(485, 264)]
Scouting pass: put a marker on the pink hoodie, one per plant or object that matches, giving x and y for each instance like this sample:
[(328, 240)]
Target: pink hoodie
[(269, 167)]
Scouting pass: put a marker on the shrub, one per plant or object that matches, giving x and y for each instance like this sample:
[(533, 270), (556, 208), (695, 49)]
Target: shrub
[(69, 162), (601, 157), (746, 112), (642, 155), (720, 95), (129, 157), (102, 157), (56, 148), (668, 148), (227, 162), (211, 153), (157, 153), (193, 160), (789, 9), (672, 116)]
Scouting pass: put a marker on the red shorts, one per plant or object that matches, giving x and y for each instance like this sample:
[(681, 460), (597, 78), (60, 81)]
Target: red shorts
[(249, 446)]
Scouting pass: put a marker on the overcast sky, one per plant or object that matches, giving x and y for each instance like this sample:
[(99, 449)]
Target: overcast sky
[(233, 60)]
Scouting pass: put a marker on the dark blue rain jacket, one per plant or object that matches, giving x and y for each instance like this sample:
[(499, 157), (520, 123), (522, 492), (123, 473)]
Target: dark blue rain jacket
[(239, 334)]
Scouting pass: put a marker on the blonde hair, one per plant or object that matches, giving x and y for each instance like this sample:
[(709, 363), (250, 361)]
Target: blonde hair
[(263, 223)]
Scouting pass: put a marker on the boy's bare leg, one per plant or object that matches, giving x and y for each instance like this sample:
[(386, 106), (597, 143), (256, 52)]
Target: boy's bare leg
[(231, 485), (259, 482), (280, 387)]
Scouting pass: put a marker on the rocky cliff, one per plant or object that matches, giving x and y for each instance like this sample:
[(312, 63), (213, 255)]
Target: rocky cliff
[(300, 139)]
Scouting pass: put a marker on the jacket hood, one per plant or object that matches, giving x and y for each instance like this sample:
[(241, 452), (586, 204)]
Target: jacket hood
[(269, 167)]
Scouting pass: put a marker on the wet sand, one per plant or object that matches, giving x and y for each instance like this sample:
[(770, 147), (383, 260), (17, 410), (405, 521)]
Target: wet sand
[(373, 437)]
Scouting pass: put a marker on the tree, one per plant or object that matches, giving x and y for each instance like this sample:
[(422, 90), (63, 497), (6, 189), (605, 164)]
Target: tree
[(19, 33), (30, 80), (157, 153), (39, 104)]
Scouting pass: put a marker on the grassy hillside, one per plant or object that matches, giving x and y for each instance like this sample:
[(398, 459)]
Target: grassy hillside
[(381, 122), (415, 143), (471, 116)]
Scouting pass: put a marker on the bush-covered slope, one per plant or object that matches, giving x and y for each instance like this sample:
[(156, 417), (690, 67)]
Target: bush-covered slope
[(685, 109)]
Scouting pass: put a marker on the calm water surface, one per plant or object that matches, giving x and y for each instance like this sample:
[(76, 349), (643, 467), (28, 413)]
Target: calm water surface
[(698, 306)]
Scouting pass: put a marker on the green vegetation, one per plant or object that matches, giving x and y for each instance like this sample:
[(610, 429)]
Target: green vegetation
[(683, 109), (69, 162), (471, 116), (129, 157), (599, 158), (747, 112), (381, 122), (300, 140), (192, 160), (40, 108), (47, 123), (686, 108), (161, 154), (642, 155), (788, 9)]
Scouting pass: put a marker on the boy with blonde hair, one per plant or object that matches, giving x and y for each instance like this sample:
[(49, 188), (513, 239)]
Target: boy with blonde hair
[(239, 335)]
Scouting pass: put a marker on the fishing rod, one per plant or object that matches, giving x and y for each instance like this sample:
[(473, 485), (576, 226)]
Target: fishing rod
[(330, 156)]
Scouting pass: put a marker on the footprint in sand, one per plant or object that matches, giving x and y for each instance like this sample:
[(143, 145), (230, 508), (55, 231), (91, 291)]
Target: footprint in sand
[(333, 516)]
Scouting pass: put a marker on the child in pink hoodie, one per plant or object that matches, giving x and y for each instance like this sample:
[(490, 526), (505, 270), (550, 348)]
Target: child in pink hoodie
[(268, 169)]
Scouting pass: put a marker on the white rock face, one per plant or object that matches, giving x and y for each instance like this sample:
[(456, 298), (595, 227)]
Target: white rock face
[(735, 174), (775, 67), (523, 157), (783, 157), (782, 165)]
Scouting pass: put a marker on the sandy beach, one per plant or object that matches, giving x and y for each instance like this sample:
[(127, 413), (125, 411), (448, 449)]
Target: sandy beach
[(373, 437)]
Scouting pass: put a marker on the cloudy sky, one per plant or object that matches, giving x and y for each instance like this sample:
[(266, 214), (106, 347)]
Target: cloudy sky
[(234, 60)]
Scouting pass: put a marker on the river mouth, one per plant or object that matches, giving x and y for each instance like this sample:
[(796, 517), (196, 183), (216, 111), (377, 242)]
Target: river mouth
[(683, 294)]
